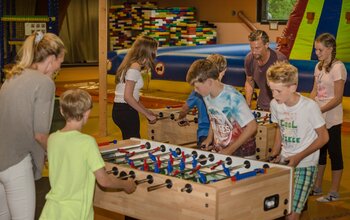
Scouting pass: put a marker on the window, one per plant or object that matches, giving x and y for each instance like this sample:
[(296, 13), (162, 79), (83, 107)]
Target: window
[(274, 10)]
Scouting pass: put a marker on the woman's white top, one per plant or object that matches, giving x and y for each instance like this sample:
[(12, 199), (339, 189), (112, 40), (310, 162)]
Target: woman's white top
[(132, 75)]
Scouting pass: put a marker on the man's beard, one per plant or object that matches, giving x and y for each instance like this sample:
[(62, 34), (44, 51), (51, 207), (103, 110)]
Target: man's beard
[(257, 57)]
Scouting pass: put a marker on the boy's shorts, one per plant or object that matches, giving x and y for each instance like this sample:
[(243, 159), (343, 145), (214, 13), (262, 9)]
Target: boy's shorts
[(304, 178)]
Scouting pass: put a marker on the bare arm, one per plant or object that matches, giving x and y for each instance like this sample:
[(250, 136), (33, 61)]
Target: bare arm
[(321, 140), (111, 182), (129, 98), (338, 96), (248, 131), (184, 111), (42, 139), (314, 90), (276, 150), (182, 120), (207, 143), (150, 112), (249, 89)]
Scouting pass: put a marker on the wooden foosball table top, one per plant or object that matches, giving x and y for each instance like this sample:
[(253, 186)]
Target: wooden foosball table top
[(181, 183)]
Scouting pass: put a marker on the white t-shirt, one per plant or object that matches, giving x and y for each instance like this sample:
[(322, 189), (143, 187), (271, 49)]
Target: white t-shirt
[(133, 75), (297, 125), (325, 91)]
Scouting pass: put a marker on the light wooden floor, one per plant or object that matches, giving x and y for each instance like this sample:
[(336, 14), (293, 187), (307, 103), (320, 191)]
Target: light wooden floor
[(339, 210)]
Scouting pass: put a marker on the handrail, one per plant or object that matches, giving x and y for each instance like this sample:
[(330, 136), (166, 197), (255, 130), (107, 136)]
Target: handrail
[(246, 21)]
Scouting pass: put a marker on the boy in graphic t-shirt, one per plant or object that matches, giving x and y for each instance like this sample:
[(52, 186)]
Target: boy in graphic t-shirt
[(196, 99), (232, 125)]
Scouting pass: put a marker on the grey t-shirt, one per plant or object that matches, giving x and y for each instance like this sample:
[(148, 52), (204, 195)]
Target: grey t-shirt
[(252, 68), (26, 108)]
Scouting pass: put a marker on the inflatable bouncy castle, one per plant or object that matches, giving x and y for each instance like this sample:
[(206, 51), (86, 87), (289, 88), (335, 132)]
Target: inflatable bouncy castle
[(311, 18), (308, 19)]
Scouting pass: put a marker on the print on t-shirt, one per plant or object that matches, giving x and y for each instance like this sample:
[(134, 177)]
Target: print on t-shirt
[(289, 129), (225, 131)]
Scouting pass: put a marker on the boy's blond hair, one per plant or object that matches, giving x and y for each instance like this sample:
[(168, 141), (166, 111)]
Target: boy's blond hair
[(201, 70), (74, 103), (282, 72), (218, 60)]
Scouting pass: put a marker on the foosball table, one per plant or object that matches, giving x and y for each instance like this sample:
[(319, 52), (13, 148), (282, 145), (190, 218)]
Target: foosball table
[(182, 183), (167, 130)]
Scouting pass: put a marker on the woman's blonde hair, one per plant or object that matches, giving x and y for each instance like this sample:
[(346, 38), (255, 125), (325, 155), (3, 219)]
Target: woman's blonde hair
[(36, 48), (74, 103), (143, 52)]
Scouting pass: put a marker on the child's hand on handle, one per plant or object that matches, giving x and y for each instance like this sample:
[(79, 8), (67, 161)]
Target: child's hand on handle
[(225, 150), (292, 161), (207, 145), (152, 118), (274, 159), (183, 122)]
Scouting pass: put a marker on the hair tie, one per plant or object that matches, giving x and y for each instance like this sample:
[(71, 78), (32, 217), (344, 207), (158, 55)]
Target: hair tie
[(38, 37)]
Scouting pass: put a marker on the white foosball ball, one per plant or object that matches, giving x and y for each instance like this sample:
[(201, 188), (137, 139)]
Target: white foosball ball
[(181, 183), (167, 130)]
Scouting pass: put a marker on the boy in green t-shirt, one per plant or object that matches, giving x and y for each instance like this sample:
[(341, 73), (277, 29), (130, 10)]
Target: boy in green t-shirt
[(76, 163)]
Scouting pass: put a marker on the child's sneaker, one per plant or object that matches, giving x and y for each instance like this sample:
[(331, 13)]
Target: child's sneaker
[(316, 192), (333, 196)]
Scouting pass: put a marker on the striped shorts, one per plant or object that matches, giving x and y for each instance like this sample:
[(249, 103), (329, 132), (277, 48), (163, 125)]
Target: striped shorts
[(304, 178)]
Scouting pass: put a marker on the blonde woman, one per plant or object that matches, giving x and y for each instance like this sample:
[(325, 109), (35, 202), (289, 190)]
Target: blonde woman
[(26, 100), (126, 107)]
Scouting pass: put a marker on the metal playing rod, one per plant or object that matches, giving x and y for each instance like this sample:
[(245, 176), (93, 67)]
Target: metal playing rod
[(168, 183)]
